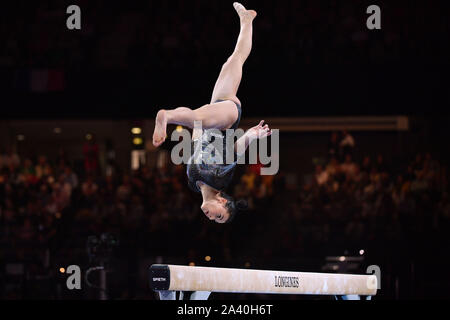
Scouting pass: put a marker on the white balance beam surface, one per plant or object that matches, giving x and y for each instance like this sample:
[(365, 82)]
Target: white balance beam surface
[(184, 278)]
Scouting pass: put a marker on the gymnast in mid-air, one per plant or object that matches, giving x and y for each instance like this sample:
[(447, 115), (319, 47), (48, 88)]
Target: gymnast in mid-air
[(222, 113)]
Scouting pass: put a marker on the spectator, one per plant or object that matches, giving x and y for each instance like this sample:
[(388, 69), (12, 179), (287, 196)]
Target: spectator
[(89, 191), (347, 144), (419, 184), (357, 176), (333, 146), (321, 175), (42, 168), (124, 190), (381, 165), (62, 160), (348, 168), (90, 151), (333, 168), (70, 177), (62, 192), (28, 173), (366, 166), (11, 160)]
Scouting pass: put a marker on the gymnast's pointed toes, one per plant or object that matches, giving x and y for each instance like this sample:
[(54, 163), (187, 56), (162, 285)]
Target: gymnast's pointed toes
[(244, 14), (238, 7)]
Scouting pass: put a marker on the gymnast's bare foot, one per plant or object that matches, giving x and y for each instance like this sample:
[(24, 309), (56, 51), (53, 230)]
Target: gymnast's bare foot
[(244, 14), (159, 135)]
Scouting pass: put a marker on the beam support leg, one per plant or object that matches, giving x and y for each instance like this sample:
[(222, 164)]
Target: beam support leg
[(167, 295)]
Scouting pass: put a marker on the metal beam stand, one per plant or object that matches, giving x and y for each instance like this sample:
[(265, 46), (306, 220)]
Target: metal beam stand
[(353, 297), (182, 295)]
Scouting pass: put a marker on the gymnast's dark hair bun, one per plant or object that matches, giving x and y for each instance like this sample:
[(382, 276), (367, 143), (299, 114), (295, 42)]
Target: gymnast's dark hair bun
[(241, 205), (233, 206)]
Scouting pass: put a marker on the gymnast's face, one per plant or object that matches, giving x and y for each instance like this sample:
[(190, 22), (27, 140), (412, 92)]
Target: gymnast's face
[(215, 210)]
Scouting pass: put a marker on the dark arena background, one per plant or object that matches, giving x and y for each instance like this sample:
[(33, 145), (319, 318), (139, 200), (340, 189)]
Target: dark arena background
[(364, 126)]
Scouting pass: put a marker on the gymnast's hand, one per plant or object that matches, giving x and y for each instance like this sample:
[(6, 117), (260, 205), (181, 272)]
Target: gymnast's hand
[(258, 132)]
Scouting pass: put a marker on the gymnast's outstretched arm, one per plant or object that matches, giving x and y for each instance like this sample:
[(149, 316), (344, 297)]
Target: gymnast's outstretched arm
[(257, 132)]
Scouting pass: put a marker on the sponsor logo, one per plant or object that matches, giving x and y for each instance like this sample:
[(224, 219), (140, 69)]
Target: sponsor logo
[(159, 279), (286, 282)]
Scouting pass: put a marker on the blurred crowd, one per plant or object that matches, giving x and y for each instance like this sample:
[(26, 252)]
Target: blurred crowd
[(350, 202)]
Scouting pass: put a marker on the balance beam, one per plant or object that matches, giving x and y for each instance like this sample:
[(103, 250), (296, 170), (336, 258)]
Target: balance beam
[(168, 279)]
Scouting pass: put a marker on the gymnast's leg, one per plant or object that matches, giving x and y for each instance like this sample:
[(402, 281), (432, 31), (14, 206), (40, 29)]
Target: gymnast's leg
[(230, 76), (220, 115)]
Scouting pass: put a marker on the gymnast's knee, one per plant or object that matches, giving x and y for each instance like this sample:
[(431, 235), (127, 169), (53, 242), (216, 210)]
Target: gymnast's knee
[(199, 115), (235, 59)]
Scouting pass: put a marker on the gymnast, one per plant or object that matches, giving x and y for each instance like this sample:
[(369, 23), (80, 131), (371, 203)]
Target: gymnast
[(222, 113)]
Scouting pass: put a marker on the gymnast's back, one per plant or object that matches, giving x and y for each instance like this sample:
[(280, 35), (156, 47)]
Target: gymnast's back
[(208, 161)]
